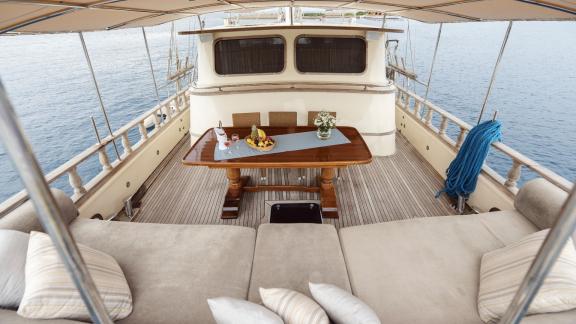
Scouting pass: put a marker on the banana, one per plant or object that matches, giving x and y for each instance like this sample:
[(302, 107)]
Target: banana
[(261, 133)]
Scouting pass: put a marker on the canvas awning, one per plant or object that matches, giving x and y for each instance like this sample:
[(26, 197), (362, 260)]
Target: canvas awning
[(45, 16)]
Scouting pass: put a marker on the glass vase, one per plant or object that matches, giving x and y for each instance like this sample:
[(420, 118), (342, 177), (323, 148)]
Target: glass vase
[(324, 133)]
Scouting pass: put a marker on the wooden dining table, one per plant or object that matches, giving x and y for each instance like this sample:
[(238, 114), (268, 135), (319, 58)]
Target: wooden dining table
[(326, 158)]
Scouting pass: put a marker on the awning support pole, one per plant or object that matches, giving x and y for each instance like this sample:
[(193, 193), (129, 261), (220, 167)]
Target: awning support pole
[(547, 255), (433, 61), (151, 66), (102, 108), (199, 22), (48, 212), (504, 42)]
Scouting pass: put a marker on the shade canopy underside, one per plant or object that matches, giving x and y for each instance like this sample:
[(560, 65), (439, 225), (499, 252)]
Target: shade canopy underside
[(40, 16)]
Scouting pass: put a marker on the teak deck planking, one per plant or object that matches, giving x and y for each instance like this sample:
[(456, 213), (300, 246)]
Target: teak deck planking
[(391, 188)]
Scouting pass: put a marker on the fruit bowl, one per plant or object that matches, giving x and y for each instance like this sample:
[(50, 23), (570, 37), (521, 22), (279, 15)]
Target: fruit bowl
[(270, 144)]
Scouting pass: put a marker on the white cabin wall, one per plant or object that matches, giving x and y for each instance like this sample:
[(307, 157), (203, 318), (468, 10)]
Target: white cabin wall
[(375, 64), (369, 112)]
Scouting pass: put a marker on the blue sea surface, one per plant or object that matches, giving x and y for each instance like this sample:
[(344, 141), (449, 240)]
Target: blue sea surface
[(51, 88)]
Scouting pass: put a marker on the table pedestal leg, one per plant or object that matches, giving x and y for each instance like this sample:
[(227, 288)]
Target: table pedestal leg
[(236, 182), (328, 194)]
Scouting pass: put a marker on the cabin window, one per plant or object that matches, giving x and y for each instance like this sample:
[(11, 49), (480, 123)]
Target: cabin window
[(249, 55), (330, 54)]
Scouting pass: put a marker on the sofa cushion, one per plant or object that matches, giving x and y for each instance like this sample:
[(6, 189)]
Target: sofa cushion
[(292, 255), (24, 219), (173, 269), (426, 270), (540, 202), (10, 317)]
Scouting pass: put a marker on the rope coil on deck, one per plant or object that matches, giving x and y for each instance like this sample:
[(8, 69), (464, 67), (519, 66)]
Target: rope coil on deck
[(462, 174)]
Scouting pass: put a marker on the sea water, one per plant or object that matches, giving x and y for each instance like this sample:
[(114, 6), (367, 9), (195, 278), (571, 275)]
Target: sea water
[(49, 83)]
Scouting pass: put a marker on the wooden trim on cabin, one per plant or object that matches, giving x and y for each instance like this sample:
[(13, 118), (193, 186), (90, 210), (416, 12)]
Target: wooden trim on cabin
[(296, 27)]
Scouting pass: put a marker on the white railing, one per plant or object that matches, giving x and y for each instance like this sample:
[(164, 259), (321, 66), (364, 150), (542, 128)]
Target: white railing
[(424, 111), (161, 115)]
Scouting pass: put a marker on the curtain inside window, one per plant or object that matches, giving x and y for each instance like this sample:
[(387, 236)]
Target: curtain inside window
[(331, 54), (249, 55)]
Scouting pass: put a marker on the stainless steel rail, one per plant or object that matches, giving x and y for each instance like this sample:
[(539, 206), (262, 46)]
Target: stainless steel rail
[(549, 252), (21, 154), (502, 48)]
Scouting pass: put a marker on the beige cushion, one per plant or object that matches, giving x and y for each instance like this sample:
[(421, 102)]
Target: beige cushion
[(540, 202), (342, 307), (228, 310), (292, 255), (426, 270), (293, 307), (10, 317), (503, 270), (173, 269), (24, 219), (51, 293)]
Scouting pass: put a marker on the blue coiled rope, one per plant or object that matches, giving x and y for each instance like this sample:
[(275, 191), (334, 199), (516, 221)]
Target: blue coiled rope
[(462, 174)]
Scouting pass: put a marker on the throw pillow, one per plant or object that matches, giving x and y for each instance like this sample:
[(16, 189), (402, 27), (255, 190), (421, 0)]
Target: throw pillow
[(227, 310), (502, 271), (342, 307), (293, 307), (13, 247), (51, 293)]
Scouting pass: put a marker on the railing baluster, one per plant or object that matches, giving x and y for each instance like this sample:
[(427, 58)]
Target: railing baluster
[(417, 108), (76, 182), (103, 158), (443, 126), (157, 119), (167, 111), (407, 102), (513, 174), (143, 131), (126, 143), (428, 117), (461, 137)]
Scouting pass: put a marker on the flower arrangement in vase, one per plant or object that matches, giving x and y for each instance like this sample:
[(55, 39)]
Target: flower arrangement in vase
[(325, 122)]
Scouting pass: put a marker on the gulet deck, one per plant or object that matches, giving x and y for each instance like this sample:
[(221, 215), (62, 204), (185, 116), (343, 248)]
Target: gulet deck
[(390, 188)]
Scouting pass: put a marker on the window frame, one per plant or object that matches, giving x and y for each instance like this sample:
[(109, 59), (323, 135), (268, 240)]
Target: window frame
[(285, 61), (330, 36)]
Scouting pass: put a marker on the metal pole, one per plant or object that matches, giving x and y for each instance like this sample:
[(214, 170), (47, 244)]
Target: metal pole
[(547, 255), (433, 61), (20, 153), (504, 42), (98, 93), (151, 66), (200, 22), (96, 130)]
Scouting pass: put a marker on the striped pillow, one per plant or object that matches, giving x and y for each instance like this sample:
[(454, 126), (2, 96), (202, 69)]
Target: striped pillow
[(293, 307), (502, 271), (51, 293)]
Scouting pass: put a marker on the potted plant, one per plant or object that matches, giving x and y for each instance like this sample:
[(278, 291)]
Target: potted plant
[(325, 122)]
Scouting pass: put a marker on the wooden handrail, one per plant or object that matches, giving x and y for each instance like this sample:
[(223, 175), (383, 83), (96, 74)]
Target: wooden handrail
[(518, 159)]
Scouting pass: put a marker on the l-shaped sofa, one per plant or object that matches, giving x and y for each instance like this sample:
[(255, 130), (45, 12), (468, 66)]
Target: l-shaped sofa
[(422, 270)]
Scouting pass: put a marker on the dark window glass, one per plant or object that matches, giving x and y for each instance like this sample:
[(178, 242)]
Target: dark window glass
[(330, 54), (249, 55)]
